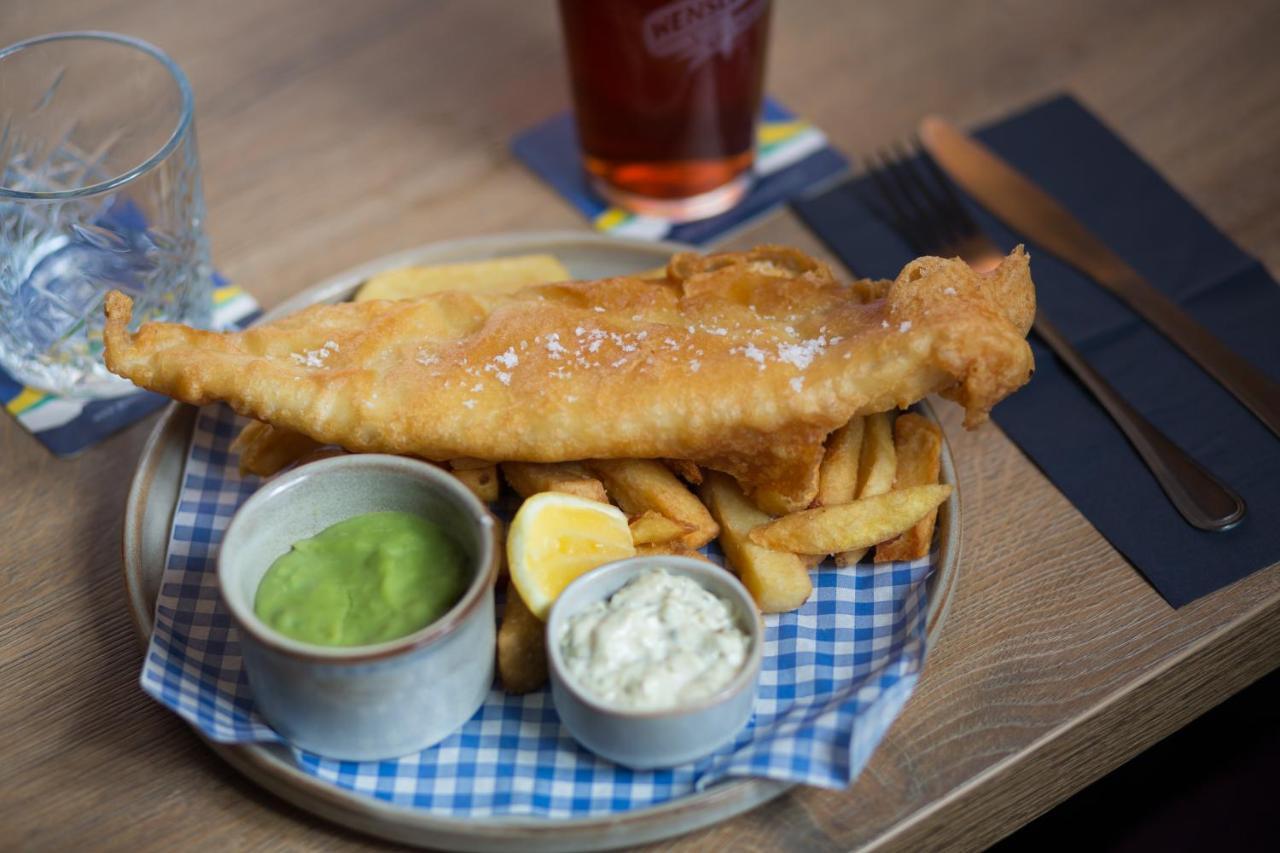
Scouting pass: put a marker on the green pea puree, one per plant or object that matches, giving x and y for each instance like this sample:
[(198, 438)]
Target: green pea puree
[(369, 579)]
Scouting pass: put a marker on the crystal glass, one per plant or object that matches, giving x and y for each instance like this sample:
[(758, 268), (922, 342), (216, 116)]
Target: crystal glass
[(100, 191)]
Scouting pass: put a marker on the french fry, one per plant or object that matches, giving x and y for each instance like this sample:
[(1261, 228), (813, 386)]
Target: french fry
[(572, 478), (668, 549), (496, 275), (835, 480), (640, 485), (850, 558), (918, 445), (249, 434), (265, 449), (860, 524), (878, 463), (777, 580), (838, 474), (654, 528), (774, 502), (877, 466), (483, 482), (686, 470), (522, 647)]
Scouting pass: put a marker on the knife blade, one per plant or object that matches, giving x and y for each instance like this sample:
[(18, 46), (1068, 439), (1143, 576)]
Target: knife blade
[(1031, 211)]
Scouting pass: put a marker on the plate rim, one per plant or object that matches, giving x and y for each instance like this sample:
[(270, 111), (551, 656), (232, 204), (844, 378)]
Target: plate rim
[(157, 480)]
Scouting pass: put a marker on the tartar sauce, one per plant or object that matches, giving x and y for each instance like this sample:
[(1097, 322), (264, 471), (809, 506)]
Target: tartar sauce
[(660, 641)]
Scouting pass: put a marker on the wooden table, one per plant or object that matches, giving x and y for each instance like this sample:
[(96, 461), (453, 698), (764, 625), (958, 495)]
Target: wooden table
[(332, 132)]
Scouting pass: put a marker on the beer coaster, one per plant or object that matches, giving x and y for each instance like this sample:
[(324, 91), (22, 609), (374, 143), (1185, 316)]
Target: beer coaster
[(67, 425), (792, 156)]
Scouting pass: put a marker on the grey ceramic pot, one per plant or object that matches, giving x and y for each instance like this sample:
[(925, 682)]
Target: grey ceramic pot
[(647, 739), (370, 702)]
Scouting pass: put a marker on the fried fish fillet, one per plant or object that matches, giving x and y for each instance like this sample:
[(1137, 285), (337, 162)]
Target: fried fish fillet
[(740, 362)]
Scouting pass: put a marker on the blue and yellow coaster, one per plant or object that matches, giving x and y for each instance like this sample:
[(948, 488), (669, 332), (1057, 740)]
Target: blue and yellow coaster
[(69, 425), (792, 156)]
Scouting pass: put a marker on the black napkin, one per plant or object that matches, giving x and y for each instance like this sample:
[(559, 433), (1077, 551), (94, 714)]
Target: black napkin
[(1057, 424)]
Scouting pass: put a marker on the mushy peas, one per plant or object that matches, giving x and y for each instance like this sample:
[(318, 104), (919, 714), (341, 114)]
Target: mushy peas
[(369, 579)]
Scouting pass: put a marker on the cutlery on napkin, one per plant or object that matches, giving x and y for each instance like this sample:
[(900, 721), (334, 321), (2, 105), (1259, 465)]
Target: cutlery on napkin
[(1053, 420), (925, 208)]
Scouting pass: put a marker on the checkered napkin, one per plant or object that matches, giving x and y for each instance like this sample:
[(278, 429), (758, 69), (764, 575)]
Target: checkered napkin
[(836, 673)]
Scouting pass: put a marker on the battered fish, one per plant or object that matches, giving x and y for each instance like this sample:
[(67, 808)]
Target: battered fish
[(741, 362)]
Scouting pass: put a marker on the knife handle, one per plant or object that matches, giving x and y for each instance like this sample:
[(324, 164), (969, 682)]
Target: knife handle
[(1257, 391), (1198, 496)]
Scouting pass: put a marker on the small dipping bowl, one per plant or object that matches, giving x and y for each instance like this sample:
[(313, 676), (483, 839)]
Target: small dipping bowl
[(362, 703), (644, 739)]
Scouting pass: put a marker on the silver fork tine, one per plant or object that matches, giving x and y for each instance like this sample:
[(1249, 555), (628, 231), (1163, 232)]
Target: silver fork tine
[(903, 222), (921, 215), (947, 222), (913, 179)]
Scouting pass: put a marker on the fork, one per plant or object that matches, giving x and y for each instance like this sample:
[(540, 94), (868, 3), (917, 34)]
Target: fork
[(923, 206)]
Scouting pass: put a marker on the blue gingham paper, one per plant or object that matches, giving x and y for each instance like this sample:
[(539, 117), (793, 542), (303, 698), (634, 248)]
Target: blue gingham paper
[(836, 673)]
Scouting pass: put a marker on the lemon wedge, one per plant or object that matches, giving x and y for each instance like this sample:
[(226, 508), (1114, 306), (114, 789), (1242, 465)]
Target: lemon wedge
[(556, 537)]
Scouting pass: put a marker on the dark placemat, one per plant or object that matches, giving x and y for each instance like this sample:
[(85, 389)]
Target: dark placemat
[(1066, 150), (792, 157)]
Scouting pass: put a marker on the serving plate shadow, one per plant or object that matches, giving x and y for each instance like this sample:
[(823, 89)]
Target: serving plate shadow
[(149, 512)]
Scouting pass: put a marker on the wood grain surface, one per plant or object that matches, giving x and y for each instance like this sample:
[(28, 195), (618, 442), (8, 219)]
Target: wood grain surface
[(333, 132)]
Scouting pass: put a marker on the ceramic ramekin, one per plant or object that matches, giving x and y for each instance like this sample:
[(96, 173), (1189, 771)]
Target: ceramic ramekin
[(362, 703), (666, 738)]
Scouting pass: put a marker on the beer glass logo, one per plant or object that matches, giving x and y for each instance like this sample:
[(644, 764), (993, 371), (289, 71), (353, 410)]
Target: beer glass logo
[(696, 30)]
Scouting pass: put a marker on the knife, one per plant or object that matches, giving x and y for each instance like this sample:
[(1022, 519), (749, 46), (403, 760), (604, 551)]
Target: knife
[(1026, 208)]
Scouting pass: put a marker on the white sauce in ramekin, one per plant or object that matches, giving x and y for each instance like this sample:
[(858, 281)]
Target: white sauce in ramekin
[(661, 641)]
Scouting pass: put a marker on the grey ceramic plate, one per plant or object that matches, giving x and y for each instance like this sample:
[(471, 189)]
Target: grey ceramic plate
[(149, 514)]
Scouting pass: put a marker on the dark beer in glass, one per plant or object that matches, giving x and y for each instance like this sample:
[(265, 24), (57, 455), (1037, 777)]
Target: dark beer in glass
[(666, 96)]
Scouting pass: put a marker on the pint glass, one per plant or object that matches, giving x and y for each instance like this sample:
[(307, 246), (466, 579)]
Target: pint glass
[(666, 98)]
